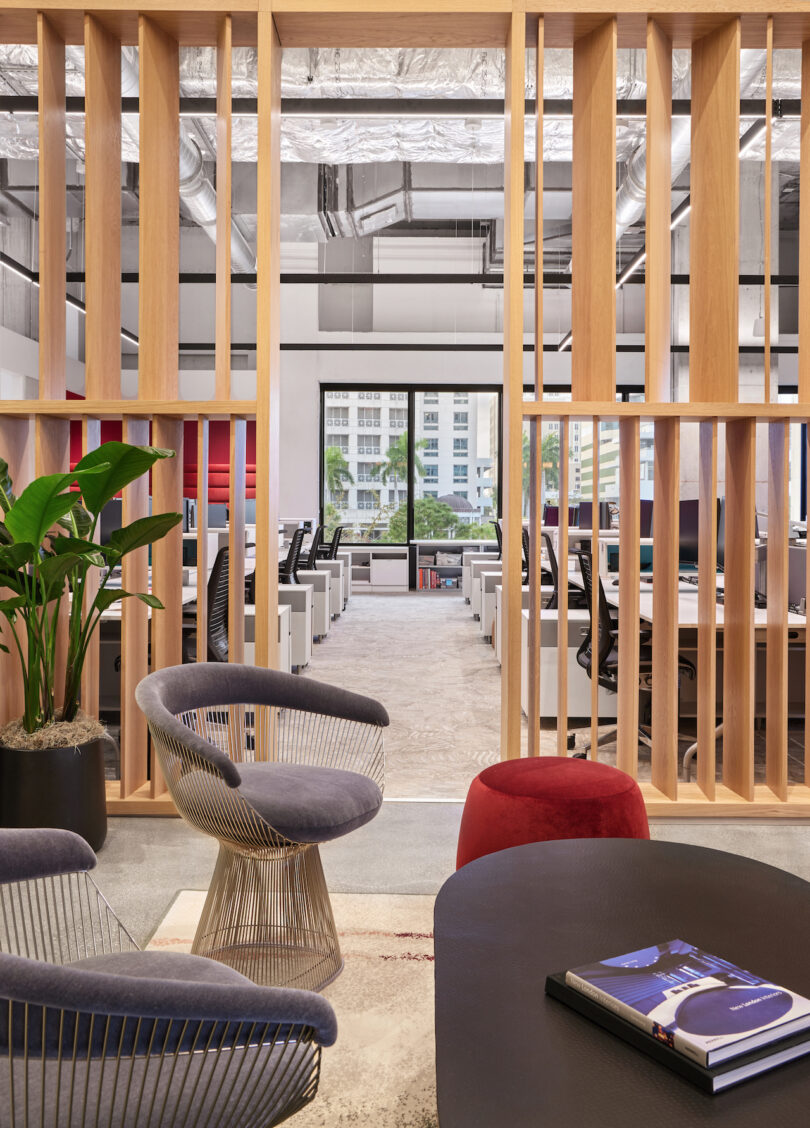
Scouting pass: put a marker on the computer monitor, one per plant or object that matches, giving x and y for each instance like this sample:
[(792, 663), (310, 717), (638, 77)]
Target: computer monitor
[(250, 511), (688, 531), (110, 520), (797, 573), (217, 515), (551, 515), (585, 515), (645, 518)]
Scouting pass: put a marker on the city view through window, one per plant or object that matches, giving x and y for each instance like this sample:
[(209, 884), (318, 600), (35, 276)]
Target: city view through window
[(455, 464)]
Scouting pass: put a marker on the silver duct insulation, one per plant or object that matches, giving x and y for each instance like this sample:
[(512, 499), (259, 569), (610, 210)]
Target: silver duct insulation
[(631, 198)]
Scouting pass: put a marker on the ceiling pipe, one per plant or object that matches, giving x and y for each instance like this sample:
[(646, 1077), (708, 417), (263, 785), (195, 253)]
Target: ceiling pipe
[(631, 199)]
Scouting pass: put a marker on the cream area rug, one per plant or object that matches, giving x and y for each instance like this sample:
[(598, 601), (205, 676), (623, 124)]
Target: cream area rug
[(381, 1071)]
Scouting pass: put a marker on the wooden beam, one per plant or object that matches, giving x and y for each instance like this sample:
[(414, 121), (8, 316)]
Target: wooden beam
[(664, 753), (707, 610), (91, 440), (738, 609), (657, 268), (236, 541), (159, 213), (102, 195), (268, 342), (562, 599), (715, 216), (593, 293), (767, 204), (17, 450), (629, 583), (513, 387), (134, 628), (536, 435), (223, 243), (52, 216), (202, 539), (776, 701)]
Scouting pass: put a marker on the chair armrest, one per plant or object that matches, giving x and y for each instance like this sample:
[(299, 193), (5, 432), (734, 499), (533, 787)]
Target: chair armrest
[(74, 989), (26, 855)]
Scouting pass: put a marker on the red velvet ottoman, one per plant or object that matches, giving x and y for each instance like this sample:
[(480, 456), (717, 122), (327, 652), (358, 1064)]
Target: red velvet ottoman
[(547, 797)]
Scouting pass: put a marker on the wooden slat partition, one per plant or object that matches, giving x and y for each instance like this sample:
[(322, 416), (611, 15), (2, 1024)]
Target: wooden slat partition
[(593, 295), (17, 450), (804, 234), (236, 541), (268, 341), (707, 609), (513, 386), (595, 596), (89, 694), (715, 216), (102, 196), (664, 753), (52, 217), (738, 610), (629, 581), (776, 705), (134, 628), (222, 389), (202, 539), (807, 590), (562, 601), (767, 202), (536, 435), (657, 267)]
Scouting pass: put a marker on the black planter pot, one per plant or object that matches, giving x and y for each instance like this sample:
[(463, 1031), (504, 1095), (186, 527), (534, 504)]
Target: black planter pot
[(60, 787)]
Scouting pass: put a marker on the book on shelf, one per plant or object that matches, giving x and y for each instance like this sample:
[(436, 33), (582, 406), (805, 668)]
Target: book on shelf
[(710, 1080), (704, 1007)]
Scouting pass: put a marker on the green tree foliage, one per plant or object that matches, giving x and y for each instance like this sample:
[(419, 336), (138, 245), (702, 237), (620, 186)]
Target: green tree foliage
[(336, 472), (432, 519)]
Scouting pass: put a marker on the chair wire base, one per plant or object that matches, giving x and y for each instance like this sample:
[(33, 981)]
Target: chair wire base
[(268, 916)]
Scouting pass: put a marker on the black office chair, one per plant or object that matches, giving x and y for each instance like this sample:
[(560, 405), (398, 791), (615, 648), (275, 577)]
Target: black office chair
[(314, 547), (576, 596), (217, 633), (499, 538), (607, 661), (287, 570), (330, 551), (545, 575)]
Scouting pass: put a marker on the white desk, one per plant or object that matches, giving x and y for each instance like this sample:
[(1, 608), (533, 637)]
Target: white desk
[(321, 582), (688, 607), (284, 637), (467, 560), (299, 599), (579, 684), (337, 570)]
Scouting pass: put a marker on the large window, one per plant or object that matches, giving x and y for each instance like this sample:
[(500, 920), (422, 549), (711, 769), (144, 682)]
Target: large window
[(383, 488)]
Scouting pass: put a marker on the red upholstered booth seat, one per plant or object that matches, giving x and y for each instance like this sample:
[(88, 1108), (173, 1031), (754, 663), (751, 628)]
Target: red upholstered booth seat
[(548, 797), (219, 476)]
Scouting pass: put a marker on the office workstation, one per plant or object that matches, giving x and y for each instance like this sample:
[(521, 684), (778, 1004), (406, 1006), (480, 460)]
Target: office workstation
[(403, 542)]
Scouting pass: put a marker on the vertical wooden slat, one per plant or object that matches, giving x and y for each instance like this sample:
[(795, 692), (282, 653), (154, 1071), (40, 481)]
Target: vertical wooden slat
[(268, 341), (236, 541), (595, 597), (593, 294), (17, 449), (223, 246), (562, 600), (776, 704), (804, 234), (767, 202), (91, 440), (202, 539), (536, 428), (629, 581), (738, 610), (102, 195), (657, 288), (513, 384), (707, 609), (664, 754), (52, 456), (715, 216), (52, 215), (134, 627), (159, 215), (807, 603)]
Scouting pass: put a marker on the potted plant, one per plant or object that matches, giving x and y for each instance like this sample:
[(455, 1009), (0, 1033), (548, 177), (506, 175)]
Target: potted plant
[(52, 760)]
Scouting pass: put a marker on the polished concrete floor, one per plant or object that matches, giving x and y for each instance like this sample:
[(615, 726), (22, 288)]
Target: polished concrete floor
[(408, 848)]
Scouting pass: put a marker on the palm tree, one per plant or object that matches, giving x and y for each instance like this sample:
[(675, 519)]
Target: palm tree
[(336, 472), (395, 466)]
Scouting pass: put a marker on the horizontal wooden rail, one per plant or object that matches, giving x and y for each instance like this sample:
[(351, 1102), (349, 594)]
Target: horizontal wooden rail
[(119, 409), (692, 412)]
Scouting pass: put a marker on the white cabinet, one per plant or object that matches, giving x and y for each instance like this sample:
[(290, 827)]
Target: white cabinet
[(379, 569)]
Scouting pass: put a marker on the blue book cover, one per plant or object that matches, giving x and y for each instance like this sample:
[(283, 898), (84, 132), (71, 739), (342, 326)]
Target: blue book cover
[(695, 1003)]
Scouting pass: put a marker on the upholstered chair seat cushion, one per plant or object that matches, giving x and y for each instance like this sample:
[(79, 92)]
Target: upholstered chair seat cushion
[(177, 966)]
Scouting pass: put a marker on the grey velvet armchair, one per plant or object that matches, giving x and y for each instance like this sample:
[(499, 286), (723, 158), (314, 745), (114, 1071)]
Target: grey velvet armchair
[(95, 1032), (270, 765)]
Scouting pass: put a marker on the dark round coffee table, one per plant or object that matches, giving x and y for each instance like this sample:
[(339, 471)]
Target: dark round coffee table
[(507, 1056)]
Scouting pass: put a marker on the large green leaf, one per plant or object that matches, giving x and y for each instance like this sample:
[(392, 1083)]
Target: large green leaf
[(144, 531), (107, 596), (78, 521), (53, 572), (124, 463), (14, 556), (86, 549), (5, 535), (7, 497), (41, 504)]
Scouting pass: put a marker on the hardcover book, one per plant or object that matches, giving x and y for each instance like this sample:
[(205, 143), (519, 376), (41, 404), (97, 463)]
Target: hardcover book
[(704, 1007)]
